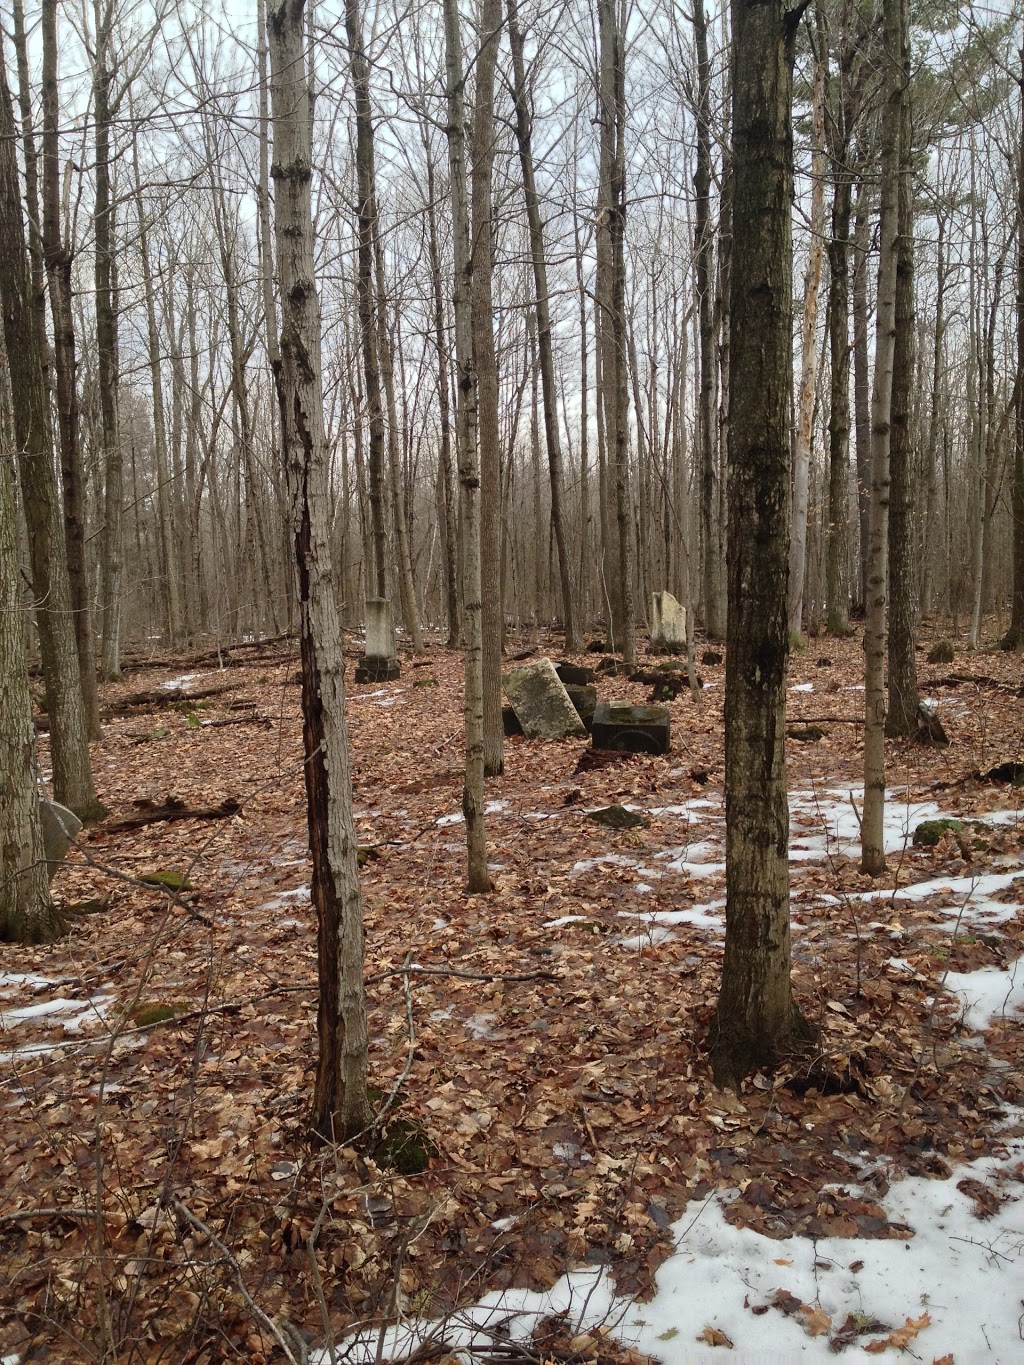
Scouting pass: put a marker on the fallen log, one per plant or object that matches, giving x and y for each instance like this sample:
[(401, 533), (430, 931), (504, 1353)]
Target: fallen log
[(173, 808)]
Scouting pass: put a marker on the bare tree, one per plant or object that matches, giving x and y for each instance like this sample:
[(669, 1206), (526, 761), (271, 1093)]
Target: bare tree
[(340, 1104), (756, 1018)]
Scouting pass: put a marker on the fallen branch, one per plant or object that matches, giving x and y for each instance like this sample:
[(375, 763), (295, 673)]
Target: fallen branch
[(172, 809)]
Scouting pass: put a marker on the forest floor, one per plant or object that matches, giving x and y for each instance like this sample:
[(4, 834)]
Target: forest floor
[(546, 1040)]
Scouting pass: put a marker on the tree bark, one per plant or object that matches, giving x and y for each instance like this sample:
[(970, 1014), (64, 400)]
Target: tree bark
[(112, 567), (341, 1108), (1014, 638), (872, 834), (902, 718), (478, 878), (707, 360), (808, 353), (756, 1018), (488, 429), (59, 255), (614, 386), (524, 135), (27, 915), (69, 740)]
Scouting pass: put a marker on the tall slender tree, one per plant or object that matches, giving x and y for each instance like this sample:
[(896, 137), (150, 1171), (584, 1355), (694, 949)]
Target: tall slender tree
[(340, 1105), (757, 1018)]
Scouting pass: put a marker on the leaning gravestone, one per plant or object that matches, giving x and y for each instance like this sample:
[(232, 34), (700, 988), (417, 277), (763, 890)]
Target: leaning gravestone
[(541, 702), (635, 729), (60, 826), (668, 623), (378, 662)]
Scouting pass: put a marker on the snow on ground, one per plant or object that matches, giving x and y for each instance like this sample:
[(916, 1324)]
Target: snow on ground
[(958, 1281), (954, 1287)]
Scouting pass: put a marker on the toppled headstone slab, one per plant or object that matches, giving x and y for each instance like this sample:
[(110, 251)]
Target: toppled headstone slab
[(618, 817), (635, 729), (60, 826), (510, 722), (668, 623), (541, 702), (574, 674), (378, 662), (584, 698)]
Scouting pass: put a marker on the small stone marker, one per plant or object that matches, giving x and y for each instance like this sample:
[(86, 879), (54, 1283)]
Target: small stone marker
[(60, 826), (618, 817), (635, 729), (541, 702), (668, 623), (378, 662)]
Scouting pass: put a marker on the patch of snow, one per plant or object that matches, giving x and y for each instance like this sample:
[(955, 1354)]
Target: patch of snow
[(481, 1025), (642, 888), (802, 687), (656, 933), (444, 820), (495, 807), (184, 681), (963, 1274), (603, 859), (988, 994), (59, 1006)]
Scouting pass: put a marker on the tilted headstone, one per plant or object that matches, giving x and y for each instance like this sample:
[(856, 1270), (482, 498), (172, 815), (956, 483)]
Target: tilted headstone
[(541, 702), (60, 826), (668, 623), (636, 729), (378, 662)]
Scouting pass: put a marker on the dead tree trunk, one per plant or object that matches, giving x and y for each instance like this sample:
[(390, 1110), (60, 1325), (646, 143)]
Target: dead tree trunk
[(341, 1108)]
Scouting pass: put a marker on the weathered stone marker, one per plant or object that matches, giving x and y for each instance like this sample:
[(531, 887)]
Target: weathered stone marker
[(635, 729), (541, 702), (378, 662), (584, 698), (668, 623), (60, 826)]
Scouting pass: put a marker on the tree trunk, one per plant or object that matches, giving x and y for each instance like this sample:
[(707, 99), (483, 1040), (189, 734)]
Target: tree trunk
[(366, 215), (341, 1108), (69, 741), (614, 387), (112, 568), (707, 360), (901, 717), (399, 511), (1014, 638), (872, 834), (59, 255), (488, 429), (862, 387), (27, 915), (756, 1018), (524, 135), (170, 577), (809, 353), (469, 469), (450, 534)]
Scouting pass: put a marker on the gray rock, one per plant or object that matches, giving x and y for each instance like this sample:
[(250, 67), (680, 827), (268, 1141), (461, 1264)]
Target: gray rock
[(541, 702), (60, 826)]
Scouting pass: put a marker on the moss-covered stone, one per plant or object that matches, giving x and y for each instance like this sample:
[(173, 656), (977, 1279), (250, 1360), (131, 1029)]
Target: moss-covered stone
[(170, 881), (929, 832), (146, 1015), (403, 1147), (618, 817), (941, 652), (806, 734)]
